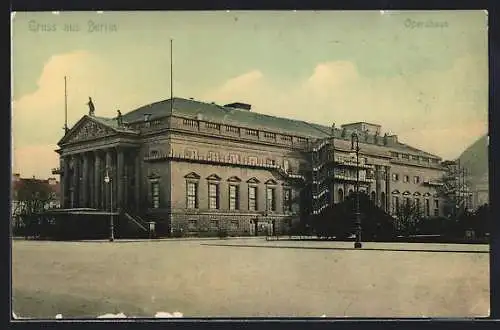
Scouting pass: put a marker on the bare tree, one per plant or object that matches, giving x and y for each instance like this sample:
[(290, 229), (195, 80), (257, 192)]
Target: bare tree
[(408, 215), (31, 197)]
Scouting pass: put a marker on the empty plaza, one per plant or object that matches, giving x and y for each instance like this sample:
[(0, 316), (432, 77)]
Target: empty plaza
[(249, 277)]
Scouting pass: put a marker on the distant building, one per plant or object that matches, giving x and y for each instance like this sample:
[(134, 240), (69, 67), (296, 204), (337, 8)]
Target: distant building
[(197, 167), (28, 189)]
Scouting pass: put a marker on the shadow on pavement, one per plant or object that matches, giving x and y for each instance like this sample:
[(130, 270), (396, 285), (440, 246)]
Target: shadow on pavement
[(345, 248)]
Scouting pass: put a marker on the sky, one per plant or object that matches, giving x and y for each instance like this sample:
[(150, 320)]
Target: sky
[(421, 75)]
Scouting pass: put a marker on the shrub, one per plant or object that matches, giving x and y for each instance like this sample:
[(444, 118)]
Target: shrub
[(177, 233), (222, 233)]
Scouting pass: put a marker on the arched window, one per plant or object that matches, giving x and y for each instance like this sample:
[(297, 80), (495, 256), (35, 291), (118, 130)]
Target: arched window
[(341, 195), (372, 196), (382, 200), (351, 192)]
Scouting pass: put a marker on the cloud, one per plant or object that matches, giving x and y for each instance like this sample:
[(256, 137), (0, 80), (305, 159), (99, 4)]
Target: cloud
[(446, 106), (38, 117)]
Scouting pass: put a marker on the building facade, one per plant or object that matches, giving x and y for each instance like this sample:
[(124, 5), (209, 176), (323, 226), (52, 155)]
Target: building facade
[(27, 190), (199, 167)]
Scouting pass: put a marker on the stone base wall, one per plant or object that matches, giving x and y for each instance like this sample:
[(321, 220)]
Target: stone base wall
[(206, 225)]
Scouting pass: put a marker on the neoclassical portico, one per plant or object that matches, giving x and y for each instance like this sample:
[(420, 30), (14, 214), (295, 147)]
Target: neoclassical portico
[(92, 151), (83, 178)]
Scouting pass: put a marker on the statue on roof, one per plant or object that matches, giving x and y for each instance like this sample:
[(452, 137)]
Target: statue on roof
[(119, 118), (91, 107)]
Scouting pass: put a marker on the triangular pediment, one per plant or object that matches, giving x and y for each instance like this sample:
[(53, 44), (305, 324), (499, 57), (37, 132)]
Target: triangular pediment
[(213, 177), (192, 175), (234, 179), (406, 193), (87, 129), (253, 180), (427, 194), (271, 182), (416, 194), (395, 192)]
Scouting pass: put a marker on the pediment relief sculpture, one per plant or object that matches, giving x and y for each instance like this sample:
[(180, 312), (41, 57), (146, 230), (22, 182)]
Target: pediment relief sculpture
[(90, 130)]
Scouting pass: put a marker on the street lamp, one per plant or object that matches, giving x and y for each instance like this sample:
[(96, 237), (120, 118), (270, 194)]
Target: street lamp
[(107, 179), (357, 243)]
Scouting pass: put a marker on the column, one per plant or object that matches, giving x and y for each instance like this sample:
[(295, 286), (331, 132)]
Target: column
[(388, 196), (90, 181), (76, 181), (126, 177), (137, 186), (64, 181), (98, 181), (119, 177), (85, 180), (377, 185), (107, 188)]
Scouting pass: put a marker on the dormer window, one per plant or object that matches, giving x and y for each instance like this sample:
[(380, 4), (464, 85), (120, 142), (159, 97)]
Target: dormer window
[(147, 116)]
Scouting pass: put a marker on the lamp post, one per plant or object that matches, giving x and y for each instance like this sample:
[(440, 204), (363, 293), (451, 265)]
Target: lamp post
[(357, 243), (107, 179)]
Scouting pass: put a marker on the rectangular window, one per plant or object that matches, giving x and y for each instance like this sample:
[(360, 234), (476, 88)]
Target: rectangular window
[(192, 224), (417, 203), (287, 199), (271, 199), (155, 194), (407, 201), (436, 207), (192, 195), (405, 156), (234, 224), (213, 196), (395, 204), (427, 207), (286, 165), (191, 153), (214, 224), (252, 198), (416, 179), (234, 202), (234, 158), (406, 179), (270, 161), (395, 177), (213, 155)]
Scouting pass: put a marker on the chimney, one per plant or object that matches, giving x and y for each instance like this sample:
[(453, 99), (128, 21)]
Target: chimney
[(239, 105)]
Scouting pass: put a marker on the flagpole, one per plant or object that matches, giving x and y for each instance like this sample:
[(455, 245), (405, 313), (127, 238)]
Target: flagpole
[(65, 106), (171, 77)]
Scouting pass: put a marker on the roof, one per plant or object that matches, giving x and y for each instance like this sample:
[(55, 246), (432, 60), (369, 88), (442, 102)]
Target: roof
[(227, 115), (112, 123), (20, 183)]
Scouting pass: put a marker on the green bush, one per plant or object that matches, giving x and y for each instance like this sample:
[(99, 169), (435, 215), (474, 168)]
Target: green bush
[(222, 233), (177, 233)]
